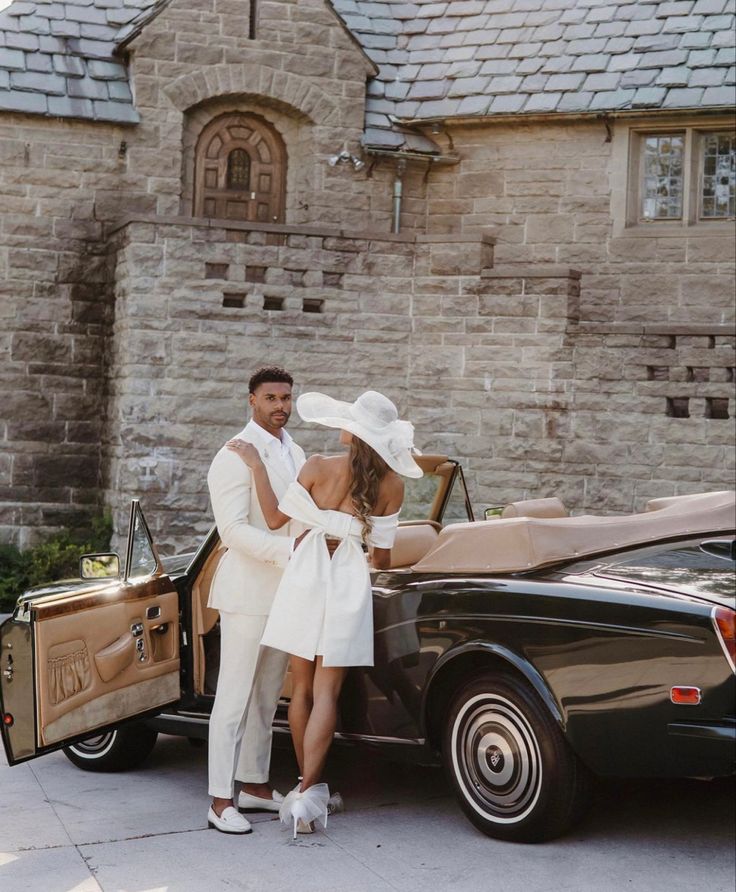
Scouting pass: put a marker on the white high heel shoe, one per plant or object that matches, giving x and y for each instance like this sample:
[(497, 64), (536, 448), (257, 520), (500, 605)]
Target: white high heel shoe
[(305, 806)]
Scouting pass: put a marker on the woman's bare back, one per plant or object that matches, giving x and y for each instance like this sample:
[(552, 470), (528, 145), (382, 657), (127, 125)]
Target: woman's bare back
[(328, 480)]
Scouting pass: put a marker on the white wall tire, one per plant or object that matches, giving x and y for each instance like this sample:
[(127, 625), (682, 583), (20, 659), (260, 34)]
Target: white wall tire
[(121, 749), (514, 774)]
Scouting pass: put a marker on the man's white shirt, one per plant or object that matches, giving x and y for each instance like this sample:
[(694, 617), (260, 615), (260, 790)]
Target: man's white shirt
[(272, 445)]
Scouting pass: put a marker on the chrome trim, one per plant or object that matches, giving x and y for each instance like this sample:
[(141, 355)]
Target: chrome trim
[(719, 732), (715, 625), (544, 621), (376, 738), (187, 717), (371, 738), (283, 728)]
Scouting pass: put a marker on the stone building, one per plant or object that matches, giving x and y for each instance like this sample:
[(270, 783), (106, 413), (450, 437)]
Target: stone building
[(516, 218)]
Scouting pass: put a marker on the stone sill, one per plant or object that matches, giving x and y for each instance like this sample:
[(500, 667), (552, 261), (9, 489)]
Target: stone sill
[(658, 328), (701, 229), (533, 271), (290, 229), (483, 238)]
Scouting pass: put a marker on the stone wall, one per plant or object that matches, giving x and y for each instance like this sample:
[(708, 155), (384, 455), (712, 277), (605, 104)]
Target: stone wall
[(57, 182), (547, 191), (199, 307), (491, 363), (653, 411)]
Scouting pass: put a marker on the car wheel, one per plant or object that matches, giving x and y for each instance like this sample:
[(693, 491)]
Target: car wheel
[(118, 750), (512, 770)]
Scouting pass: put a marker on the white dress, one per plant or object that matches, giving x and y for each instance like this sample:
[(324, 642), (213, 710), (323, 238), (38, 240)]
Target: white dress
[(324, 606)]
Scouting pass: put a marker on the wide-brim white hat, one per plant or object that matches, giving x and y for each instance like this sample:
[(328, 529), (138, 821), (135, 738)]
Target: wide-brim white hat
[(372, 418)]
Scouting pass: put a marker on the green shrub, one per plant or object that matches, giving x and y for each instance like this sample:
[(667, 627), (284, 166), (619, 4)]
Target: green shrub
[(56, 558)]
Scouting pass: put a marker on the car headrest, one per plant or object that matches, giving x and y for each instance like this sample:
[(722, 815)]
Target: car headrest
[(551, 507)]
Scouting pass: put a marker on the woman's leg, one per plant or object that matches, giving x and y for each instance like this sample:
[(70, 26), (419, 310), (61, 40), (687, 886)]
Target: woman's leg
[(300, 706), (322, 720)]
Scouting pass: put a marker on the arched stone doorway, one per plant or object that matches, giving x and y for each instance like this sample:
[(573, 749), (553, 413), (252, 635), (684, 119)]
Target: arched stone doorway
[(240, 170)]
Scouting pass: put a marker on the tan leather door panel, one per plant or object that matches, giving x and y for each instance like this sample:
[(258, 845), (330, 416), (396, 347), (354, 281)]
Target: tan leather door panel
[(103, 657)]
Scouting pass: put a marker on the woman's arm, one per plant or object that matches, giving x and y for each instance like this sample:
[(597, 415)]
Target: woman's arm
[(381, 557), (230, 484), (266, 496), (307, 476)]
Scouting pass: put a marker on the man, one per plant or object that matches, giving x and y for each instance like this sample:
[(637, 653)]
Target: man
[(246, 580)]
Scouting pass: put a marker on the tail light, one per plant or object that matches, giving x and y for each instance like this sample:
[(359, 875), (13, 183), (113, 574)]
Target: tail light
[(724, 621)]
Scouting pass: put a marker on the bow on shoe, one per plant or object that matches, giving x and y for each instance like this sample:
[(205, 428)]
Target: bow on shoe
[(305, 805)]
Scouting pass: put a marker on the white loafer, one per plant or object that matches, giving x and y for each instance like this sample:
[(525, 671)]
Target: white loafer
[(230, 821), (248, 802)]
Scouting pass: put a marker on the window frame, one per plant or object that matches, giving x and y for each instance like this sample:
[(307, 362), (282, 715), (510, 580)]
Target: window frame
[(626, 179), (637, 197), (701, 173)]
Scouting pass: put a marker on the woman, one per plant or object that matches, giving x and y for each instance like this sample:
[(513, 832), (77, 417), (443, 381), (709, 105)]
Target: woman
[(322, 612)]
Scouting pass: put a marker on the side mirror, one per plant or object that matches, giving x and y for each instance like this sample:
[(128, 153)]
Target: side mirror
[(493, 513), (99, 566)]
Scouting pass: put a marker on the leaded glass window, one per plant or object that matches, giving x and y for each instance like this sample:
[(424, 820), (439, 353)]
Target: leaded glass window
[(718, 176), (238, 169), (662, 162)]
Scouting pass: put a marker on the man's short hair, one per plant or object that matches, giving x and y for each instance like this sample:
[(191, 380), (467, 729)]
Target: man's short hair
[(270, 373)]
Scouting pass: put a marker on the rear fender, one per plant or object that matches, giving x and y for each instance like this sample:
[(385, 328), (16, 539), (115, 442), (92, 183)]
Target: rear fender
[(468, 659)]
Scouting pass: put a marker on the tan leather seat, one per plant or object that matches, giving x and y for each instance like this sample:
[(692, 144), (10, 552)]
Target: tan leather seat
[(207, 615), (413, 541), (551, 507), (204, 617)]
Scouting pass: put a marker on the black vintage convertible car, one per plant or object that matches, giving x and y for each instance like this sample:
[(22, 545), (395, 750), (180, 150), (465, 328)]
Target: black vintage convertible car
[(526, 652)]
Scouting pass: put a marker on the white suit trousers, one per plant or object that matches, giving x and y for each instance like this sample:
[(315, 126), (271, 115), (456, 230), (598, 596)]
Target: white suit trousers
[(248, 688)]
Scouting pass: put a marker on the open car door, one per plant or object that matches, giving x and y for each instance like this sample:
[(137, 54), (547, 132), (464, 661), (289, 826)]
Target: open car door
[(83, 656)]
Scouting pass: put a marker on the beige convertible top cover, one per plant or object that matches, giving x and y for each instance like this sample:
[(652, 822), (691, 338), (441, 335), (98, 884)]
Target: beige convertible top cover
[(522, 543)]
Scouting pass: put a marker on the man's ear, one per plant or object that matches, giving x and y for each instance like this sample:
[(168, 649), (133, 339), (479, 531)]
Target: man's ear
[(251, 399)]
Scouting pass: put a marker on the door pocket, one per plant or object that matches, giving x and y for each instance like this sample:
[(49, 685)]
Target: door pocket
[(111, 660), (68, 670)]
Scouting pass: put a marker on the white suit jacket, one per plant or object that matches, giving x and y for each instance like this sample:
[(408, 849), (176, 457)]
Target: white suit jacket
[(249, 573)]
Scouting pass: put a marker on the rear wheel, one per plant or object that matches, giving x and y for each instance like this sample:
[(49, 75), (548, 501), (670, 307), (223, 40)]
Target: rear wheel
[(512, 770), (118, 750)]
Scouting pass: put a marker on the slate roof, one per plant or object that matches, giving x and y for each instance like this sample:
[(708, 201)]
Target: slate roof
[(57, 58), (476, 58), (436, 58)]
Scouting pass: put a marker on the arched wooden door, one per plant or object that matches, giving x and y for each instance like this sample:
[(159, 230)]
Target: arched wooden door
[(240, 170)]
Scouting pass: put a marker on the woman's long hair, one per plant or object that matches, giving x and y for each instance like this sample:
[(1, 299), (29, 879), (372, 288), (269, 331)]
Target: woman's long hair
[(367, 469)]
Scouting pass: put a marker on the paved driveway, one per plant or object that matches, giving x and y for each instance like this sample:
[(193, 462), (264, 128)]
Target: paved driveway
[(62, 829)]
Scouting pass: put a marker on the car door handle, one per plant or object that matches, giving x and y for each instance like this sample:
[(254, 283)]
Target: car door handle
[(153, 612)]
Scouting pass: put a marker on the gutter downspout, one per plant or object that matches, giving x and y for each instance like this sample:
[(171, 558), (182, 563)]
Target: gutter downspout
[(402, 158), (398, 191)]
